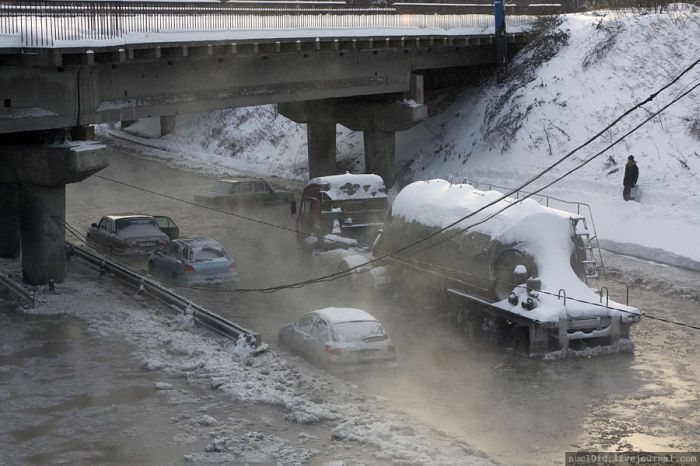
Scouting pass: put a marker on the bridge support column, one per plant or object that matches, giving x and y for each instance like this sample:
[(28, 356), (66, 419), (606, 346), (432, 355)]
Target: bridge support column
[(378, 117), (42, 218), (9, 221), (321, 140), (167, 124), (380, 147), (39, 173)]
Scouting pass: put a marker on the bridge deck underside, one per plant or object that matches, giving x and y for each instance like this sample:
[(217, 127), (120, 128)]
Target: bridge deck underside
[(73, 87)]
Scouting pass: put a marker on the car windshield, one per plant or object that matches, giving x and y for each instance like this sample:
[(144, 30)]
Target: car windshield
[(133, 226), (357, 331)]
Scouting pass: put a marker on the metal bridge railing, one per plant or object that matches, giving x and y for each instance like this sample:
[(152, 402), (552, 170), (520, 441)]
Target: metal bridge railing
[(53, 23)]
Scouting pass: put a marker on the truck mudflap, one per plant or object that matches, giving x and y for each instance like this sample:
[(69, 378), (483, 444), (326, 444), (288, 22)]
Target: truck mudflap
[(552, 336)]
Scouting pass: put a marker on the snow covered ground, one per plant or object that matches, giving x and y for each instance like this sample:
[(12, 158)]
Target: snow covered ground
[(566, 87)]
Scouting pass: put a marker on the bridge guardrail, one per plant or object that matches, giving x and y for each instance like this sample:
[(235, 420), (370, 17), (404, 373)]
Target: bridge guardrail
[(177, 302), (57, 23), (17, 289)]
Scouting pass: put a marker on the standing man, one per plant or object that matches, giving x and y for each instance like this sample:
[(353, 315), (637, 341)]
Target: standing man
[(631, 175)]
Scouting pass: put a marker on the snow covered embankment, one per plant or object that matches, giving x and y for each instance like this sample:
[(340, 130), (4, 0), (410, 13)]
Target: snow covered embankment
[(567, 86)]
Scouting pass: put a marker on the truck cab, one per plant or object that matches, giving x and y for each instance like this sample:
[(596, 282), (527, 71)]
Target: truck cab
[(340, 211)]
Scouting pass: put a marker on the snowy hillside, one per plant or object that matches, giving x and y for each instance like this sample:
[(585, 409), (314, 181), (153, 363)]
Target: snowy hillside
[(575, 79)]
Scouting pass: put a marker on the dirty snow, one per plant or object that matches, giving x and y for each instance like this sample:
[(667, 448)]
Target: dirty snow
[(170, 345)]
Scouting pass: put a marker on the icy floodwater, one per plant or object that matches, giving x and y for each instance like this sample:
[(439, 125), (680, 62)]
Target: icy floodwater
[(517, 410)]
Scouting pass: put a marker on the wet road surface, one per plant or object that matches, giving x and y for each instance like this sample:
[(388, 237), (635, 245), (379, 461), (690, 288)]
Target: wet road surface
[(518, 410)]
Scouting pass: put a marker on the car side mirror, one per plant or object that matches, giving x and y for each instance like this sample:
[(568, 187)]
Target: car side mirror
[(93, 225), (294, 207)]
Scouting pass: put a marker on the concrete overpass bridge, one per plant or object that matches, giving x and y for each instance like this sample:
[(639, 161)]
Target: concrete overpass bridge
[(67, 65)]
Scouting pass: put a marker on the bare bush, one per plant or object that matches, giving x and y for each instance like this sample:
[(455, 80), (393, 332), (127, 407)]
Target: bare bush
[(694, 128), (505, 114), (608, 32)]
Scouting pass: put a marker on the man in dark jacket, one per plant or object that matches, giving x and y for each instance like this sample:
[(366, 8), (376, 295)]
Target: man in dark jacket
[(631, 175)]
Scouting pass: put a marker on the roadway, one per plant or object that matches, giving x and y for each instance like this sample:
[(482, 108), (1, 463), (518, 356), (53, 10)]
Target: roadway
[(517, 410)]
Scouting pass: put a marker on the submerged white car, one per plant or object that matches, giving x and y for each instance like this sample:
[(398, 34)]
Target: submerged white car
[(339, 337)]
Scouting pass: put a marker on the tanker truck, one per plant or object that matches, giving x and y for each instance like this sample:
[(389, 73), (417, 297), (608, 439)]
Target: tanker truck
[(519, 276)]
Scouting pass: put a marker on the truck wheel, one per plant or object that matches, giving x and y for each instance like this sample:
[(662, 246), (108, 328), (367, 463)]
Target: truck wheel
[(468, 322), (518, 340)]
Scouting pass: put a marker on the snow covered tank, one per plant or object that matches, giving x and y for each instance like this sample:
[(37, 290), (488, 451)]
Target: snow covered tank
[(340, 210), (519, 275)]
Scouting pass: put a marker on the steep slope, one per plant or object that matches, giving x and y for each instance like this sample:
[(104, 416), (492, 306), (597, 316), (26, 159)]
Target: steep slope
[(602, 66)]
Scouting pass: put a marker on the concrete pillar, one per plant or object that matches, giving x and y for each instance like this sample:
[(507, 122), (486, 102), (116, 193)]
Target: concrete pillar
[(9, 221), (417, 89), (167, 124), (42, 216), (83, 133), (321, 139), (380, 147)]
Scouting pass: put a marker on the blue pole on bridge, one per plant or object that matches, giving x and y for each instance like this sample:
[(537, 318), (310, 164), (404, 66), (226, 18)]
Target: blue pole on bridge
[(499, 12)]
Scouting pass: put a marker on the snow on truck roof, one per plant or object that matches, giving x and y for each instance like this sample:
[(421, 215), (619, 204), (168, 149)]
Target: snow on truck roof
[(439, 203), (336, 315), (351, 186)]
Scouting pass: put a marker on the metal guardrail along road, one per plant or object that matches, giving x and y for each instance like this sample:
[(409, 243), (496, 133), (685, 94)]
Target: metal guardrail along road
[(17, 289), (177, 302)]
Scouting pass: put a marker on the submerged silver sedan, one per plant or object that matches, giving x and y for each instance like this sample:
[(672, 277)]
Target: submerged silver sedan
[(339, 337), (196, 260)]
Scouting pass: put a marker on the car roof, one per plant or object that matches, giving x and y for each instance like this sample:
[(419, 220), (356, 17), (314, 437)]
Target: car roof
[(239, 180), (198, 242), (335, 315), (121, 216)]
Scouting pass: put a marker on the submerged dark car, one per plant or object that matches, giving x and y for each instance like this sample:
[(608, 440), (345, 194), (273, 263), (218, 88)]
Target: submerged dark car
[(339, 338), (234, 191), (196, 260), (131, 234)]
